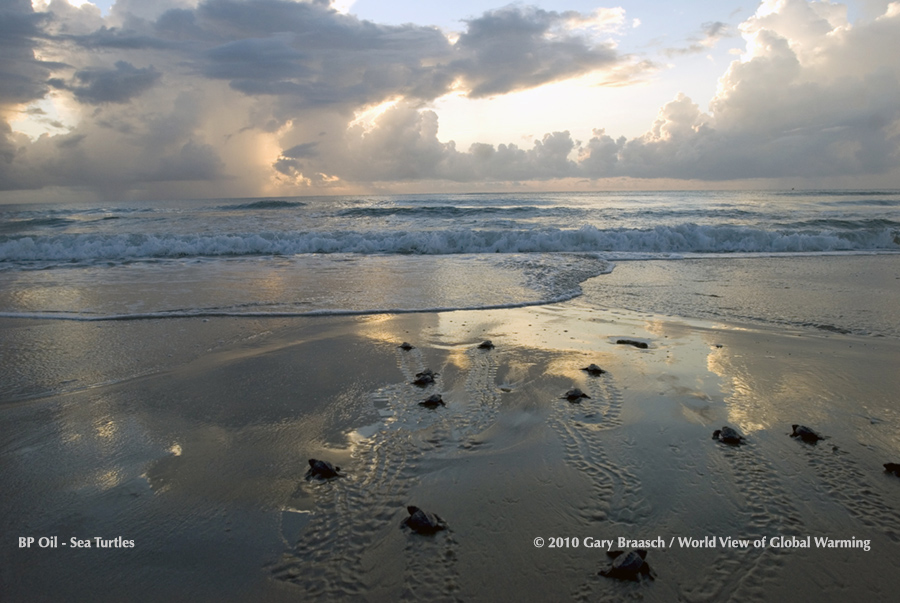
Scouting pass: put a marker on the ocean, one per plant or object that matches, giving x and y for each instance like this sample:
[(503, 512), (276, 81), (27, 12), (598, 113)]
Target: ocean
[(375, 254)]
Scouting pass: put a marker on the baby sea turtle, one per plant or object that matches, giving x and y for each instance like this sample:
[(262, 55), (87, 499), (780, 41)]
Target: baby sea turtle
[(727, 435), (593, 369), (487, 344), (424, 378), (892, 468), (406, 346), (322, 470), (805, 433), (423, 522), (575, 395), (638, 344), (629, 565), (433, 401)]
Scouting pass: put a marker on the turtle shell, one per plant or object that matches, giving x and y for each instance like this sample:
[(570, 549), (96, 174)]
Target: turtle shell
[(424, 378), (728, 435), (487, 344), (630, 565), (423, 522), (433, 401), (575, 395), (322, 469), (593, 369), (805, 433)]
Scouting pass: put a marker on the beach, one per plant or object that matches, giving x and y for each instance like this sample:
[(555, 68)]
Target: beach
[(327, 301), (189, 438)]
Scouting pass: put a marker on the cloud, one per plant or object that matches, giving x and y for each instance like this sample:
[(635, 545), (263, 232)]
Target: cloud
[(811, 98), (804, 102), (402, 145), (119, 85), (712, 32), (275, 86), (22, 76), (514, 48), (247, 97)]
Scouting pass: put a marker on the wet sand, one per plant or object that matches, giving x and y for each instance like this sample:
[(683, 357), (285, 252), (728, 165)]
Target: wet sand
[(191, 437)]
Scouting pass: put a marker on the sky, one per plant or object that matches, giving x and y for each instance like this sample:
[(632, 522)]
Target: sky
[(154, 99)]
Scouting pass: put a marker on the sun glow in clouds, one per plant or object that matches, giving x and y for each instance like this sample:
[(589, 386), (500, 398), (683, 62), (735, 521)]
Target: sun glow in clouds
[(134, 98), (366, 118)]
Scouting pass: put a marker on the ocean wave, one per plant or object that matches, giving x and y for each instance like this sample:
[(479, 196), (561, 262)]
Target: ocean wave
[(684, 238), (266, 204), (836, 193), (13, 226), (443, 211)]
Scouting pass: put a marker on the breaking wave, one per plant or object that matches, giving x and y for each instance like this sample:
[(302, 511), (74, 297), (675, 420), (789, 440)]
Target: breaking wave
[(686, 238)]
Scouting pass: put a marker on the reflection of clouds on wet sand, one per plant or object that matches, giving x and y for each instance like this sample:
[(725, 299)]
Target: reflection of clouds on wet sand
[(206, 460)]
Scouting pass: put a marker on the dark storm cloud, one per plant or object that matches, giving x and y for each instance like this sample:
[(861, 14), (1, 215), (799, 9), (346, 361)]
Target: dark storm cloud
[(118, 39), (269, 59), (314, 56), (22, 76), (301, 150), (515, 48), (310, 55), (317, 56), (119, 85)]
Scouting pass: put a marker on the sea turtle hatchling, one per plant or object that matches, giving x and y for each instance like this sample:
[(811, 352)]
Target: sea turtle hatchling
[(487, 344), (322, 470), (424, 378), (727, 435), (406, 346), (805, 433), (593, 369), (432, 401), (630, 565), (423, 522), (642, 345), (575, 395), (892, 468)]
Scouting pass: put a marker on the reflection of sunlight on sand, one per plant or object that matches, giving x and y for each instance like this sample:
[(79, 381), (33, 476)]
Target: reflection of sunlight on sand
[(743, 412), (106, 480), (768, 381), (105, 428), (364, 433)]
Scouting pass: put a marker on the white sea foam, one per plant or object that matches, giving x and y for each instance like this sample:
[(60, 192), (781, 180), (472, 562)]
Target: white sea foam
[(684, 238)]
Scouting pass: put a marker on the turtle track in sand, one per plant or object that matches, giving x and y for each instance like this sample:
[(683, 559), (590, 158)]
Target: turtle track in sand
[(426, 577), (581, 427), (742, 574), (847, 485), (483, 398), (359, 512), (325, 561), (430, 573)]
